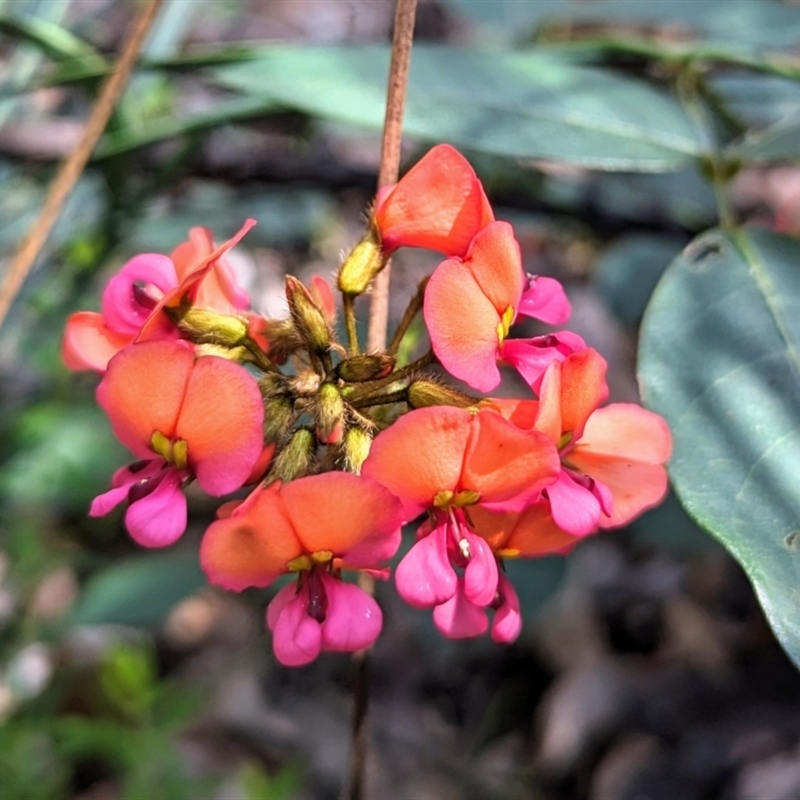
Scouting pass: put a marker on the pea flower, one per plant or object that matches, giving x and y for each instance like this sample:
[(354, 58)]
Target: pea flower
[(313, 526), (133, 297), (451, 462), (612, 458), (471, 303), (183, 417)]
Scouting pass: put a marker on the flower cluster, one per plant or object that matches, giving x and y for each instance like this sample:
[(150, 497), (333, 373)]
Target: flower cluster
[(342, 447)]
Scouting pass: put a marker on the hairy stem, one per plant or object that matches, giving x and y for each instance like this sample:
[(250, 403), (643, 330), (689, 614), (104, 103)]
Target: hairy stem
[(348, 301), (411, 312), (73, 167)]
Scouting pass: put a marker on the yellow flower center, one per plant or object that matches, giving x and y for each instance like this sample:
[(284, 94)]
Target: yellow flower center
[(176, 452), (504, 326)]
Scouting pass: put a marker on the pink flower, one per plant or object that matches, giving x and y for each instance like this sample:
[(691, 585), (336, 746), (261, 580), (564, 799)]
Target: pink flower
[(182, 416), (134, 298), (471, 303), (315, 527), (452, 463)]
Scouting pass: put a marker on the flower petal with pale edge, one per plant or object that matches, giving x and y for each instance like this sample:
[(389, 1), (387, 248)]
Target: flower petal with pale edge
[(495, 264), (507, 622), (531, 357), (627, 431), (159, 518), (458, 618), (221, 421), (502, 461), (583, 389), (252, 546), (425, 577), (575, 509), (462, 325), (354, 517), (120, 308), (419, 455), (142, 391), (480, 575), (296, 637), (544, 299), (438, 204), (89, 343), (353, 620)]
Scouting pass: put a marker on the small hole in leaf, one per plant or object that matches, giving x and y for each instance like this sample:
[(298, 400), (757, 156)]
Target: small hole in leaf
[(702, 251), (792, 540)]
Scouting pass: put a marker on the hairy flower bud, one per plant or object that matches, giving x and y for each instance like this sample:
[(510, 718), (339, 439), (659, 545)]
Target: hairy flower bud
[(278, 417), (202, 325), (329, 413), (294, 459), (362, 265), (366, 367), (357, 443), (307, 316), (424, 392)]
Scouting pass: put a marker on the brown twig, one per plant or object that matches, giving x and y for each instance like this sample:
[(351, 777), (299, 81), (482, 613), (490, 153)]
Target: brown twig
[(405, 14), (73, 167)]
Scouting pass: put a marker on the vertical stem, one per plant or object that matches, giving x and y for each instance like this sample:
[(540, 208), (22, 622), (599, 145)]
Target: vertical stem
[(350, 323), (405, 14), (73, 167)]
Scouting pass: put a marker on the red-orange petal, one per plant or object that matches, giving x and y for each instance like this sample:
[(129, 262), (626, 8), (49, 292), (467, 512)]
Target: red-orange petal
[(628, 431), (495, 263), (221, 421), (143, 389), (419, 455), (346, 514), (501, 460), (89, 343), (536, 534), (548, 420), (583, 388), (438, 204), (253, 547), (462, 325)]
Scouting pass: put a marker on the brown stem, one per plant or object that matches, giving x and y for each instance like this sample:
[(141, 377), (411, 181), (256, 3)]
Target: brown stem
[(348, 301), (73, 167), (398, 375), (398, 396), (408, 317), (405, 14)]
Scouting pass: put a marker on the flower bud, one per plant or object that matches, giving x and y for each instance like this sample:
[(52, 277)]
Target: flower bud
[(307, 316), (366, 367), (364, 262), (202, 325), (281, 338), (357, 443), (294, 459), (424, 392), (329, 412)]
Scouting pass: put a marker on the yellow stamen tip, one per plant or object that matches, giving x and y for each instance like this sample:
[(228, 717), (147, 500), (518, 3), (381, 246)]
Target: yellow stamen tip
[(299, 564), (161, 445)]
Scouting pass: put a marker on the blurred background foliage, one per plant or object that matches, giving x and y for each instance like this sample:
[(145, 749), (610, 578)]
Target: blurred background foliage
[(611, 133)]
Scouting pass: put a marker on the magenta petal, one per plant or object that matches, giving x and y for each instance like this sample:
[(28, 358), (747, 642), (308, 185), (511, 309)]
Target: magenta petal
[(458, 618), (159, 518), (425, 578), (507, 623), (105, 502), (296, 637), (480, 576), (121, 309), (353, 619), (575, 509), (121, 483), (532, 357), (544, 299), (604, 496)]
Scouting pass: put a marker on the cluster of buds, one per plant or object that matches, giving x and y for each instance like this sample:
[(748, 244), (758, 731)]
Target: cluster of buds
[(342, 447)]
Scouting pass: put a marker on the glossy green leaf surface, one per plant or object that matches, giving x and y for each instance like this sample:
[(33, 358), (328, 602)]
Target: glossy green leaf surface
[(720, 359), (519, 104)]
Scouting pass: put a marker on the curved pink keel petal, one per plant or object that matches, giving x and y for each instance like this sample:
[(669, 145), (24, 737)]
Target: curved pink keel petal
[(458, 618), (159, 518), (424, 577), (353, 619), (531, 357), (121, 482), (507, 622), (544, 299), (480, 575), (296, 637), (575, 508)]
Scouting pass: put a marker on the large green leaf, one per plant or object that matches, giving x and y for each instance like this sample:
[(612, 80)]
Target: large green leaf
[(720, 359), (777, 142), (522, 104)]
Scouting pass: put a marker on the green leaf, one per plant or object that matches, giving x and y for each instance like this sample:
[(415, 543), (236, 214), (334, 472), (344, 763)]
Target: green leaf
[(720, 359), (52, 39), (518, 104), (139, 591), (777, 142)]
